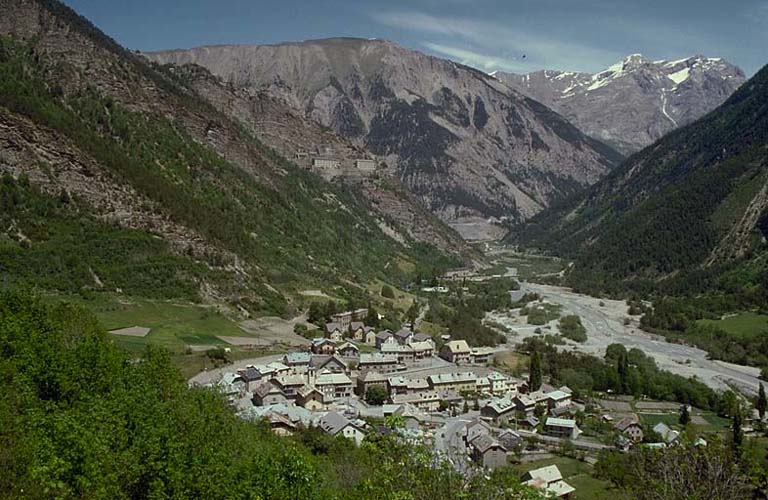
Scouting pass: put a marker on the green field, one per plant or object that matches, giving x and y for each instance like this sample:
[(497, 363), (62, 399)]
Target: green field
[(741, 325), (579, 475), (671, 419), (174, 324)]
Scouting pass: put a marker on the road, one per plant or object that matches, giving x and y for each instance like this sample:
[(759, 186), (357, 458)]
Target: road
[(605, 325)]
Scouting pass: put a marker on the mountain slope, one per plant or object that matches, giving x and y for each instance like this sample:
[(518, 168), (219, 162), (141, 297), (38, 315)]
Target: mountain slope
[(293, 136), (659, 96), (463, 142), (691, 206), (125, 147)]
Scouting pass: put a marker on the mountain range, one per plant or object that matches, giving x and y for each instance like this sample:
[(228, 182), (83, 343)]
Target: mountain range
[(469, 147), (635, 102), (689, 212)]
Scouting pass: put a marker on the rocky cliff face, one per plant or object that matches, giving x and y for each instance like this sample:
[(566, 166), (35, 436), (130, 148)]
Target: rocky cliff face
[(634, 102), (466, 144)]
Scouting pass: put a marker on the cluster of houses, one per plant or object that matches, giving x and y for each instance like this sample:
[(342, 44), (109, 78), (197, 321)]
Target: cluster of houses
[(521, 407)]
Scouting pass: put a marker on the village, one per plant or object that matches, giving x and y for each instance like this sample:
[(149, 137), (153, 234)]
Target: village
[(356, 380)]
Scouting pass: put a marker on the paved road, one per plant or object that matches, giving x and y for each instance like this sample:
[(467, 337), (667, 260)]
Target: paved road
[(605, 326)]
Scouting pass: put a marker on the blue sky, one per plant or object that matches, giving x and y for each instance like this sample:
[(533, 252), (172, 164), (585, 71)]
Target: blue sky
[(510, 35)]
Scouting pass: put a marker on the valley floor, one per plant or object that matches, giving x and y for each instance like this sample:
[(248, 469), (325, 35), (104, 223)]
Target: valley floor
[(605, 326)]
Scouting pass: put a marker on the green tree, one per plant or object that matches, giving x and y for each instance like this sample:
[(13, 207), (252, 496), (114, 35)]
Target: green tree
[(376, 395), (535, 373), (737, 434), (685, 416), (761, 402), (387, 292)]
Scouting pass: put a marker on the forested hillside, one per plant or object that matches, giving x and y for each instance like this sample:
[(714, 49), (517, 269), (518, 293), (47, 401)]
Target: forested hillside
[(686, 218), (81, 421), (684, 214), (128, 181)]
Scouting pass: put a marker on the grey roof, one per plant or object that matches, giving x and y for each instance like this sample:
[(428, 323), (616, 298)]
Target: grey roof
[(485, 442), (333, 423), (384, 335), (372, 376), (404, 333), (251, 373), (357, 325), (265, 388), (422, 337), (297, 358), (377, 358), (561, 422), (330, 327)]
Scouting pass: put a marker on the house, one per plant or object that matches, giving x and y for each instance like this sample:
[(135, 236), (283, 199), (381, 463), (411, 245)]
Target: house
[(562, 428), (510, 439), (326, 163), (357, 330), (333, 364), (487, 452), (385, 337), (323, 346), (333, 385), (669, 436), (404, 336), (280, 424), (550, 480), (232, 384), (348, 350), (474, 429), (524, 404), (345, 319), (482, 385), (370, 379), (267, 393), (458, 382), (481, 355), (540, 398), (334, 331), (423, 337), (529, 423), (365, 165), (557, 399), (397, 385), (412, 416), (370, 336), (338, 425), (298, 362), (499, 384), (456, 351), (289, 384), (630, 427), (422, 350), (310, 398), (426, 401), (382, 363), (500, 411), (566, 411), (416, 385), (404, 353), (252, 377)]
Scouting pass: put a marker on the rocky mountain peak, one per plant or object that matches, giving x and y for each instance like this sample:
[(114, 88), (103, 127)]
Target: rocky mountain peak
[(660, 96)]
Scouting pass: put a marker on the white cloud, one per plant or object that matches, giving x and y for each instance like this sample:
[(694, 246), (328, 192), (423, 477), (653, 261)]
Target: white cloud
[(479, 61), (487, 43)]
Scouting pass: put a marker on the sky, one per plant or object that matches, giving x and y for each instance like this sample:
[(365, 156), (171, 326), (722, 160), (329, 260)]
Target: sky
[(507, 35)]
